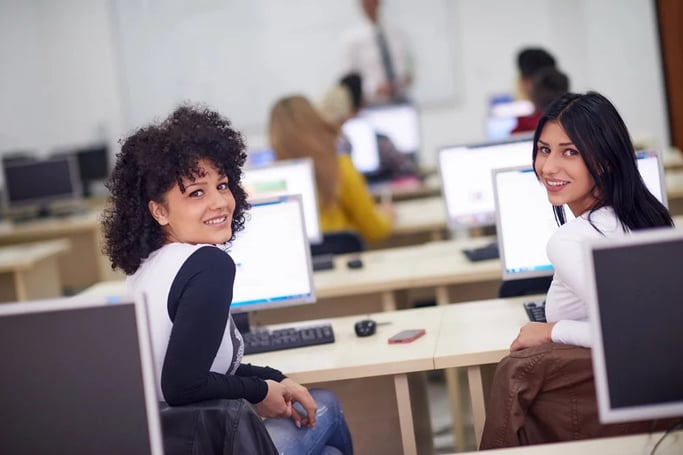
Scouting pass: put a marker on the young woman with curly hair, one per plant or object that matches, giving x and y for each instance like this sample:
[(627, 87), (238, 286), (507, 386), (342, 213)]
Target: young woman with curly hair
[(176, 195)]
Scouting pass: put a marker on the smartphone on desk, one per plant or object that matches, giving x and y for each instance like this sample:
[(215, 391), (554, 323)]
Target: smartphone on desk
[(406, 336)]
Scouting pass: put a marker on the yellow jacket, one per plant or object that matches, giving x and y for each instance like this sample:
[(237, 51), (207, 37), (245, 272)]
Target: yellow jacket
[(355, 209)]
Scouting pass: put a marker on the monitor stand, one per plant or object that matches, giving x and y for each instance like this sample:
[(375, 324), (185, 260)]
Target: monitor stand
[(243, 325)]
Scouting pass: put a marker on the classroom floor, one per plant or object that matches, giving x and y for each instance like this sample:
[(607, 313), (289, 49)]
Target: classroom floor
[(440, 413)]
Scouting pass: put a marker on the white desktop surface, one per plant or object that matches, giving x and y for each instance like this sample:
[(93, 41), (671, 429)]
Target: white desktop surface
[(640, 444), (352, 357), (420, 215), (84, 264), (29, 271), (426, 265)]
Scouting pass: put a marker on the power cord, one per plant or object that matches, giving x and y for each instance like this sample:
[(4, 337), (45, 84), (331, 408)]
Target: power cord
[(674, 427)]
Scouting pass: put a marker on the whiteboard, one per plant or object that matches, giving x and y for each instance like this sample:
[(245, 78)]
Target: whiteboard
[(239, 57)]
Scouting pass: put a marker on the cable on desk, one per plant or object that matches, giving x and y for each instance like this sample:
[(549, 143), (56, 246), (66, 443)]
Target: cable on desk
[(675, 426)]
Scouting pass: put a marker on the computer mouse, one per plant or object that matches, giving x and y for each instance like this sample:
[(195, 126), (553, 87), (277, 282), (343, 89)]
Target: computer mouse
[(355, 263), (365, 328)]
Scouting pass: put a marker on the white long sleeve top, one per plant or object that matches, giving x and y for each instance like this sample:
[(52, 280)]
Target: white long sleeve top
[(568, 292)]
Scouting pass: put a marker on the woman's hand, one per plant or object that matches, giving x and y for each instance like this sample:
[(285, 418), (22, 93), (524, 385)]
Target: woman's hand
[(277, 403), (301, 395), (533, 334)]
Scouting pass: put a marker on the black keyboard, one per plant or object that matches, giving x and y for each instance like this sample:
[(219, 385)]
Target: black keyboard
[(287, 338), (535, 311), (483, 253)]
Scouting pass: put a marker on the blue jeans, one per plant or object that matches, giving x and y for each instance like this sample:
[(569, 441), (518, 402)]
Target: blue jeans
[(330, 436)]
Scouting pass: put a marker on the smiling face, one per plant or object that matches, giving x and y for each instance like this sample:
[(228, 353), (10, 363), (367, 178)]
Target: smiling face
[(201, 214), (563, 171)]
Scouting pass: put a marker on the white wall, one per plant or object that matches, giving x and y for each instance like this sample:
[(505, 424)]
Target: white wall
[(61, 83), (58, 79)]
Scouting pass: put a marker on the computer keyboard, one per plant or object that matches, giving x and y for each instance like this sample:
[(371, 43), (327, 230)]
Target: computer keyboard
[(287, 338), (483, 253), (535, 311)]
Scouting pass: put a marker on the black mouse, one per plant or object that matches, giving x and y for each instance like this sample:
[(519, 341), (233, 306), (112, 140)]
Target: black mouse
[(365, 328), (355, 263)]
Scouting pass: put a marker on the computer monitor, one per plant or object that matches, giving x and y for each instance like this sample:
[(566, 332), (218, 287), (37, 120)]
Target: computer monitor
[(39, 183), (502, 117), (288, 177), (364, 146), (636, 319), (465, 173), (525, 219), (273, 258), (77, 377), (399, 122), (93, 166), (260, 157)]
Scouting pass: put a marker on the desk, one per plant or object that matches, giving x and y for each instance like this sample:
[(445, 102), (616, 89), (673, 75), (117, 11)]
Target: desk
[(426, 215), (672, 158), (474, 334), (639, 444), (408, 189), (436, 265), (29, 271), (674, 191), (83, 264), (351, 357)]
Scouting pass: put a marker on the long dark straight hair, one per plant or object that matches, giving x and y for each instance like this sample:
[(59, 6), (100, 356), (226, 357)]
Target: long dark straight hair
[(602, 139)]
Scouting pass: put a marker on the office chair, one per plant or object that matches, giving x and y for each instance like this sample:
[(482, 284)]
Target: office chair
[(221, 426), (338, 242), (525, 286)]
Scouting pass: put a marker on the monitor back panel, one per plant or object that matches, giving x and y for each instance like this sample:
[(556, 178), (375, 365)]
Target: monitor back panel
[(76, 378), (637, 320)]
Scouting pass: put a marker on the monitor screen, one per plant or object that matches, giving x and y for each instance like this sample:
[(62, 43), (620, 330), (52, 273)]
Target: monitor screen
[(364, 147), (77, 377), (260, 157), (273, 257), (93, 163), (636, 320), (399, 122), (525, 219), (40, 182), (288, 177), (525, 222), (466, 179), (502, 117)]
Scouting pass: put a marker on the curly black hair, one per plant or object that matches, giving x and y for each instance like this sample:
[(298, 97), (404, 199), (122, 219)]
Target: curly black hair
[(151, 161)]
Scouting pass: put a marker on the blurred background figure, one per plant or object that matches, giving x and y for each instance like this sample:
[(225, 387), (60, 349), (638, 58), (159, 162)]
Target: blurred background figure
[(393, 164), (547, 85), (298, 130), (381, 54), (530, 60)]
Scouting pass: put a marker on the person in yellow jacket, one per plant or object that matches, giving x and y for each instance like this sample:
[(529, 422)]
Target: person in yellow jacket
[(298, 130)]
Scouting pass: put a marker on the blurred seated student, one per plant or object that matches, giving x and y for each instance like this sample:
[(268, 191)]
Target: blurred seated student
[(530, 60), (547, 85), (583, 155), (298, 130), (392, 163), (176, 202)]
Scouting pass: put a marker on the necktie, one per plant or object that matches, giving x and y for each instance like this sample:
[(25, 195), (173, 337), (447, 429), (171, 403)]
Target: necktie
[(386, 60)]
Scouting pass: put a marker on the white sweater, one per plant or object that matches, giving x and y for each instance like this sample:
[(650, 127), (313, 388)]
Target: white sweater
[(568, 292)]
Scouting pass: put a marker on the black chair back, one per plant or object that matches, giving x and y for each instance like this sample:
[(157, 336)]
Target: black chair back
[(339, 242)]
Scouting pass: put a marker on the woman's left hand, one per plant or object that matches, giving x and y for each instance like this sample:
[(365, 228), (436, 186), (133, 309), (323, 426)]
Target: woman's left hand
[(533, 334), (301, 394)]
